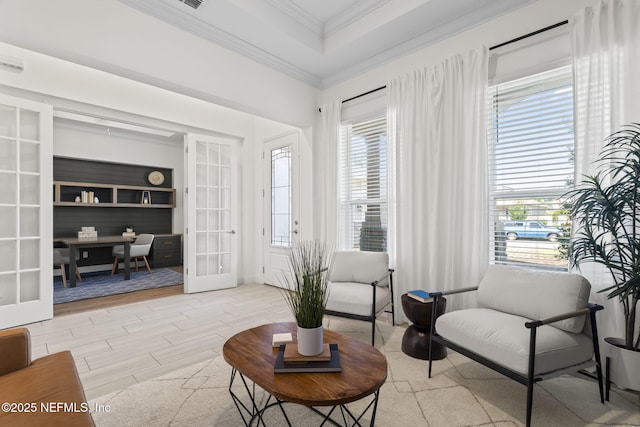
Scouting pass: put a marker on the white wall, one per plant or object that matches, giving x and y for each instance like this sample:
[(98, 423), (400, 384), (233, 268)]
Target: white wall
[(113, 37)]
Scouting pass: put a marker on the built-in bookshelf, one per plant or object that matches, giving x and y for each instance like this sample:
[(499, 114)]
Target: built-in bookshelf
[(86, 194), (119, 188)]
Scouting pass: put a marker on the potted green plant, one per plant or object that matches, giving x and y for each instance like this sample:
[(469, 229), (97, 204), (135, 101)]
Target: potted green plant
[(307, 293), (605, 209)]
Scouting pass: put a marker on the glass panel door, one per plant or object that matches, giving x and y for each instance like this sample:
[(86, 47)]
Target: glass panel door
[(281, 210), (26, 241), (211, 240)]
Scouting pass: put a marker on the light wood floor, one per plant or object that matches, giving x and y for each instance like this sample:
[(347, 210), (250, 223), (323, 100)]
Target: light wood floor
[(116, 344), (115, 300)]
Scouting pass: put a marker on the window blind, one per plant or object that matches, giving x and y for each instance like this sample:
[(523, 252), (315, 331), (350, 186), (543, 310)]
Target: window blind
[(531, 156), (363, 185)]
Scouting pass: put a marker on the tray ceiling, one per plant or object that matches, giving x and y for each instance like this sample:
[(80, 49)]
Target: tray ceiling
[(323, 42)]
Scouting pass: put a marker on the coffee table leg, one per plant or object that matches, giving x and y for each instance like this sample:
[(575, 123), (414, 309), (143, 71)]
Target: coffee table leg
[(284, 413), (348, 418), (373, 405), (253, 412)]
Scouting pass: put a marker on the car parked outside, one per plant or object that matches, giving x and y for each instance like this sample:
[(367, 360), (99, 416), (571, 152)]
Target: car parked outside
[(531, 229)]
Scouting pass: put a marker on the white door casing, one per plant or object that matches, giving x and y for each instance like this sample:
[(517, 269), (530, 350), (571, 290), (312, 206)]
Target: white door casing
[(211, 195), (26, 212), (281, 208)]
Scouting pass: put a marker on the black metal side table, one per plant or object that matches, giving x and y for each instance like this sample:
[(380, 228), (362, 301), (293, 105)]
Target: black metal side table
[(415, 341)]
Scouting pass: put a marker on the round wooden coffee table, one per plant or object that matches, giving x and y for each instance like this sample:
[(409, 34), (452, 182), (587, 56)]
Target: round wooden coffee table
[(250, 354)]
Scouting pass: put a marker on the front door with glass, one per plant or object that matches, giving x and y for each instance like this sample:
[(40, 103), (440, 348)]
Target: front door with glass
[(281, 211)]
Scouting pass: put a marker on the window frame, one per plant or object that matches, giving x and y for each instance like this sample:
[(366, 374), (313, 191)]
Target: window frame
[(350, 165), (536, 202)]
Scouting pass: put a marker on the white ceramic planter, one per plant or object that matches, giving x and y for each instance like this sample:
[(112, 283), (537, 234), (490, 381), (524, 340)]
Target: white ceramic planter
[(623, 364), (310, 341)]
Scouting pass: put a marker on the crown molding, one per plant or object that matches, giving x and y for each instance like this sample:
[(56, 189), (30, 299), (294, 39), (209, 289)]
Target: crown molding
[(194, 25), (351, 15), (298, 14)]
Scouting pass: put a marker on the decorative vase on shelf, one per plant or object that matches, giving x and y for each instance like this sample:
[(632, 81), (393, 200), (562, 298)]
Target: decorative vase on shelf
[(310, 341)]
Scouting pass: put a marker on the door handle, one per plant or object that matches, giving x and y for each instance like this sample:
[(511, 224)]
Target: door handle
[(231, 231)]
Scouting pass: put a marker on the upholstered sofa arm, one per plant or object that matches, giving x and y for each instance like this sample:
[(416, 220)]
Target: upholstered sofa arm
[(15, 350), (559, 317)]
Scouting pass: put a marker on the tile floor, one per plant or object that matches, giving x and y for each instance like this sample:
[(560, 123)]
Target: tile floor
[(126, 345), (119, 346)]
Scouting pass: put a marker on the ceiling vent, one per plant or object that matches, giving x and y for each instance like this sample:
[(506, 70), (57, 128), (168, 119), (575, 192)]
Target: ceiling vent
[(193, 3)]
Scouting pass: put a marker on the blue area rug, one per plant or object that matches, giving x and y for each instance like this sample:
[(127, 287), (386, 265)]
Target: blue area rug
[(98, 285)]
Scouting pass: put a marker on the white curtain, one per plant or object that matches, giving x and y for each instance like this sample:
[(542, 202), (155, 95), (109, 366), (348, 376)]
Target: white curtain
[(326, 194), (439, 203), (606, 59)]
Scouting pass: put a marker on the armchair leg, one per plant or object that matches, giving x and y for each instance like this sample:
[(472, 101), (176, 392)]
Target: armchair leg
[(64, 275), (78, 274), (373, 332), (531, 373), (529, 402), (433, 331), (596, 352), (115, 265), (146, 263)]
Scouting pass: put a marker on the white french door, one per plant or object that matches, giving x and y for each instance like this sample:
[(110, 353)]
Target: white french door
[(281, 204), (26, 212), (211, 235)]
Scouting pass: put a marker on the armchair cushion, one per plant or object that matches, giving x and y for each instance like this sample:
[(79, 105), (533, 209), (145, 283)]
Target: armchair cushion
[(355, 298), (535, 294), (359, 266), (503, 338)]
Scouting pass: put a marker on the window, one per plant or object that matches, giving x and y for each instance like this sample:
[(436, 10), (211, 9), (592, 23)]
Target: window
[(531, 153), (281, 196), (363, 185)]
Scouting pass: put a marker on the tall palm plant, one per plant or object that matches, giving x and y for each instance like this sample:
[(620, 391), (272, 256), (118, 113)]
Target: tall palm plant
[(606, 216)]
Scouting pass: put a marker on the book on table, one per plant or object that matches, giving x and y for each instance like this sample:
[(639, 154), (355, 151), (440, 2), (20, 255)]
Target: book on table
[(420, 295), (309, 364), (282, 338), (291, 354)]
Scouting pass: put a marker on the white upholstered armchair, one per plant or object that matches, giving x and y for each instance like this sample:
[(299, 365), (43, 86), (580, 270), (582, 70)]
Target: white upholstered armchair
[(360, 286), (529, 325)]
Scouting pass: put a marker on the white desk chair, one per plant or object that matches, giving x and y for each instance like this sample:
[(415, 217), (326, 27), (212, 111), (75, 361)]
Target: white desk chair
[(60, 259), (138, 249)]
